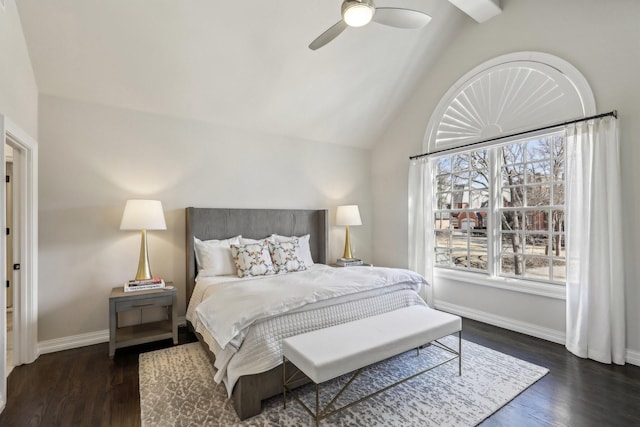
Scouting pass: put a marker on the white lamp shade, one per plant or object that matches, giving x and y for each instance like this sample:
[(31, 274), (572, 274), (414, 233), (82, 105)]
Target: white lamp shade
[(348, 215), (143, 215)]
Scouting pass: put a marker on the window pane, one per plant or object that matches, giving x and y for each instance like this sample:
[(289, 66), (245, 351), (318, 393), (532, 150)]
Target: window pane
[(461, 181), (458, 199), (444, 182), (479, 180), (512, 153), (538, 149), (512, 174), (506, 244), (443, 166), (481, 219), (536, 244), (536, 220), (443, 239), (513, 197), (479, 159), (443, 257), (557, 221), (459, 239), (538, 172), (512, 221), (537, 267), (557, 168), (467, 221), (460, 162), (557, 245), (558, 195), (444, 200), (479, 199), (539, 195), (511, 265), (459, 258), (441, 220), (511, 242), (478, 241), (478, 260)]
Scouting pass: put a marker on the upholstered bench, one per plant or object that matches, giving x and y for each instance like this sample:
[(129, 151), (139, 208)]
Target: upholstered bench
[(328, 353)]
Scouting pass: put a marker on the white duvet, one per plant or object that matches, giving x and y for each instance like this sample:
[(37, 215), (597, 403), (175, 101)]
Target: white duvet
[(244, 320), (234, 306)]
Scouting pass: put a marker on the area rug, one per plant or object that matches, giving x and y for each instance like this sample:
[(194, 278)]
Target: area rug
[(177, 389)]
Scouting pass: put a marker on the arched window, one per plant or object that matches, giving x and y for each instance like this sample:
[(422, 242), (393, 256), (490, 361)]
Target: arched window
[(507, 94), (497, 208)]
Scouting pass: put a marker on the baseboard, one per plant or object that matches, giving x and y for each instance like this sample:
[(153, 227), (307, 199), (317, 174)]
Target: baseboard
[(503, 322), (82, 340), (633, 357), (74, 341)]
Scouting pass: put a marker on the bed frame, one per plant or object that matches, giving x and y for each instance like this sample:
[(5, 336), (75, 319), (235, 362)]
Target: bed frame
[(215, 223)]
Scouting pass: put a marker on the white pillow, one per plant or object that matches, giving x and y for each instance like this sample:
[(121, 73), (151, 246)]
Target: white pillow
[(252, 259), (215, 256), (304, 250), (244, 240), (285, 256)]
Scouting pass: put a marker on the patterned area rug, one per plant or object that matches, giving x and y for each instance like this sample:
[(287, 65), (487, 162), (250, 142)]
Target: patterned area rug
[(177, 389)]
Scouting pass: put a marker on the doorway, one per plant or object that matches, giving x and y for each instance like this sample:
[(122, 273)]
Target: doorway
[(23, 270), (10, 283)]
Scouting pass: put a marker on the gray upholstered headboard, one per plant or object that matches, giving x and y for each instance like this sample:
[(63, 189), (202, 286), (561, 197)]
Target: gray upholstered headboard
[(215, 223)]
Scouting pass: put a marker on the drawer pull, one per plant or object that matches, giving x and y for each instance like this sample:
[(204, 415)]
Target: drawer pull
[(144, 304)]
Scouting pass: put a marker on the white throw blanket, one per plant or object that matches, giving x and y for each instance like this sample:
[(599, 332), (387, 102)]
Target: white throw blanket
[(233, 307)]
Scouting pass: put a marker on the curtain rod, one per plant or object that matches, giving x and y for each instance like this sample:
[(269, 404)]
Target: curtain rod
[(613, 113)]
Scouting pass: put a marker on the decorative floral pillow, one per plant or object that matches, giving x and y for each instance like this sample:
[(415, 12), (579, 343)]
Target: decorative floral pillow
[(285, 256), (252, 259), (303, 252)]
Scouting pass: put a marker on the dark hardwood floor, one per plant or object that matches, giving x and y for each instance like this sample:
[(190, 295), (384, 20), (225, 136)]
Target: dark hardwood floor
[(83, 387)]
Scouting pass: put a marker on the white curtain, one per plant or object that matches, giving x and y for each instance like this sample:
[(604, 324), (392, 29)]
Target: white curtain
[(421, 238), (595, 275)]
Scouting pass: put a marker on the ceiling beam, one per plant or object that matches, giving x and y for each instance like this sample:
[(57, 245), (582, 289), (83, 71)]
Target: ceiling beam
[(480, 10)]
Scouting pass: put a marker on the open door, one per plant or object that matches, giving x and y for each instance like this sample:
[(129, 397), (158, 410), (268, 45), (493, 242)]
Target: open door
[(25, 162), (3, 279)]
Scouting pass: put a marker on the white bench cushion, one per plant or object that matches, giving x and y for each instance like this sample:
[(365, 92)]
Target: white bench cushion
[(330, 352)]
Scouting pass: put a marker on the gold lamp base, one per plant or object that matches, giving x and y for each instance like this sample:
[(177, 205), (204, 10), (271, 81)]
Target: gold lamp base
[(347, 246), (144, 271)]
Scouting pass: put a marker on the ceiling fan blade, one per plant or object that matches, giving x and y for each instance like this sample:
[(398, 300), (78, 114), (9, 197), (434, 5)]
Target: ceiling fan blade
[(328, 35), (401, 18)]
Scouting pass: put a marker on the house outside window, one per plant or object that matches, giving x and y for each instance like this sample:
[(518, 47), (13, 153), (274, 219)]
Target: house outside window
[(500, 209)]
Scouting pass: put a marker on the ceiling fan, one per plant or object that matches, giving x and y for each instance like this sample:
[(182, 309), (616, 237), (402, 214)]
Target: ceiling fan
[(357, 13)]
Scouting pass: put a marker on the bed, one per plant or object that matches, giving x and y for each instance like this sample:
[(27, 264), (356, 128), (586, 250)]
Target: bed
[(249, 362)]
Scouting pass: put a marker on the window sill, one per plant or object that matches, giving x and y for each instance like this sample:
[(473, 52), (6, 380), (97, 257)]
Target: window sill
[(514, 285)]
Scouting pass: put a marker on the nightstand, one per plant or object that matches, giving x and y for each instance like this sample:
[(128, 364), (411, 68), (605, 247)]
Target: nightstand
[(120, 301)]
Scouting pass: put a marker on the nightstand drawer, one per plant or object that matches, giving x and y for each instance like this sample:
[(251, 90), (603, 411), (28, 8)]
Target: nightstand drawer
[(156, 301)]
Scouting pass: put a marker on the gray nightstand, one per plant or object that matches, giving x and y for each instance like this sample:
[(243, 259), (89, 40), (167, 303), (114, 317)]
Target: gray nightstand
[(120, 301)]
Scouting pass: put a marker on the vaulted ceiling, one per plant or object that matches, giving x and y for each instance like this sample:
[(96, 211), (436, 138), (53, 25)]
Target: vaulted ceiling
[(242, 64)]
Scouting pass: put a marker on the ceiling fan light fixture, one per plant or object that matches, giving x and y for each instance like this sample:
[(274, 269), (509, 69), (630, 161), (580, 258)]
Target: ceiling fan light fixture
[(357, 13)]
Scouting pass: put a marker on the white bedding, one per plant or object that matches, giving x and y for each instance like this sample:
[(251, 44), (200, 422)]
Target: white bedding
[(248, 326)]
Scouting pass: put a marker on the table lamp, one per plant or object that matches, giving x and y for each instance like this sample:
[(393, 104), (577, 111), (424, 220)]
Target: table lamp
[(348, 215), (143, 215)]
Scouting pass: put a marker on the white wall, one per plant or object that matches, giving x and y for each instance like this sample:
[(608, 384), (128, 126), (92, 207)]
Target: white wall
[(94, 158), (601, 40), (18, 89)]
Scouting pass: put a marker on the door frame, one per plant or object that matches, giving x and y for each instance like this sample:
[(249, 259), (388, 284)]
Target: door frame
[(25, 175)]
